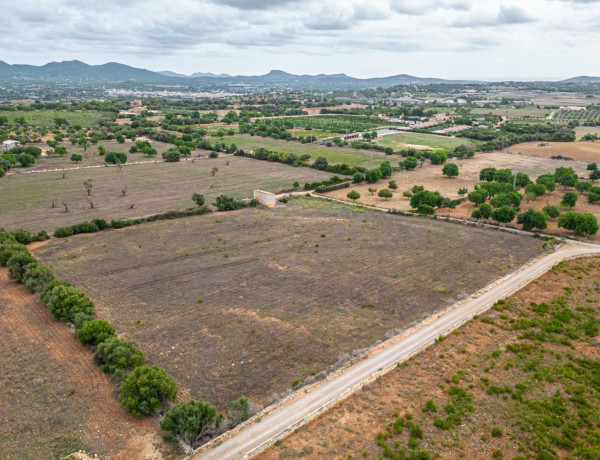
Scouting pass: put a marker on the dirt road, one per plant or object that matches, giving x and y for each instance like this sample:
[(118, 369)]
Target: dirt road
[(258, 434)]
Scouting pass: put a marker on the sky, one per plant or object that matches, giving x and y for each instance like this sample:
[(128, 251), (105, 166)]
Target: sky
[(487, 39)]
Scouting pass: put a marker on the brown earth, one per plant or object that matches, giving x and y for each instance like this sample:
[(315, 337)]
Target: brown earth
[(246, 302), (472, 357), (55, 400), (578, 151)]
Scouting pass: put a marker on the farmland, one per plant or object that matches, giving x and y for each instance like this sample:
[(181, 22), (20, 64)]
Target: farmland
[(580, 151), (51, 390), (422, 141), (334, 155), (253, 301), (45, 118), (336, 123), (25, 201), (505, 385), (431, 177), (591, 115)]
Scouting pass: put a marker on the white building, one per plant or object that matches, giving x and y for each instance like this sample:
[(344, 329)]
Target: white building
[(9, 144)]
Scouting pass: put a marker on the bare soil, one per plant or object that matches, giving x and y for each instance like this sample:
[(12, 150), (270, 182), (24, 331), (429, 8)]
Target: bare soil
[(247, 302), (55, 400), (474, 357), (578, 151)]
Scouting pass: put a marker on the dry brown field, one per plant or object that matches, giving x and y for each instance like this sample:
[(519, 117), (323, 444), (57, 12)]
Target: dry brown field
[(54, 399), (25, 199), (579, 151), (526, 395), (247, 302)]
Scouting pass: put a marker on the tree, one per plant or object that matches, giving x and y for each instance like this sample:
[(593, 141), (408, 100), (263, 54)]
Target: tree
[(522, 180), (373, 175), (353, 195), (392, 185), (213, 154), (595, 174), (565, 176), (36, 277), (592, 167), (504, 214), (462, 191), (88, 185), (198, 199), (228, 203), (478, 196), (569, 200), (450, 170), (483, 212), (76, 158), (321, 164), (552, 211), (192, 421), (504, 176), (533, 191), (25, 160), (145, 389), (409, 163), (385, 193), (506, 199), (117, 356), (95, 331), (424, 197), (372, 190), (532, 219), (579, 223), (386, 169), (548, 180), (437, 158), (358, 178), (101, 150), (115, 158), (487, 174), (171, 156)]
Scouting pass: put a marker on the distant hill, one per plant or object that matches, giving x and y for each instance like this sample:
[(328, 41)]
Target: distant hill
[(582, 79), (77, 72)]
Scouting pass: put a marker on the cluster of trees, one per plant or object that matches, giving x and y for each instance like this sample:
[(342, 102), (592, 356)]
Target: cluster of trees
[(515, 133), (425, 201), (23, 156), (145, 147)]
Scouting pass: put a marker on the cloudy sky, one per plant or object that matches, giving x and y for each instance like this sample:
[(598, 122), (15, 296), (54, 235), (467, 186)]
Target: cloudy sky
[(363, 38)]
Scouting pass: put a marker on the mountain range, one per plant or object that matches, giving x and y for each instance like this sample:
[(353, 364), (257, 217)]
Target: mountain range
[(77, 72)]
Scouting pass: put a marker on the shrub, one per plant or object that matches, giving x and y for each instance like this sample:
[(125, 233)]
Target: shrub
[(483, 212), (2, 172), (145, 389), (358, 178), (227, 203), (76, 158), (496, 432), (579, 223), (425, 209), (95, 331), (437, 158), (548, 181), (100, 224), (79, 319), (373, 175), (385, 193), (478, 196), (409, 163), (213, 154), (321, 164), (535, 190), (25, 160), (8, 250), (192, 421), (321, 189), (117, 356), (63, 232), (65, 301), (386, 169), (17, 264), (569, 200), (353, 195), (36, 277), (198, 199)]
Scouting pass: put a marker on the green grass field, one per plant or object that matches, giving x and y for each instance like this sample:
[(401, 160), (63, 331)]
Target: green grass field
[(334, 155), (45, 118), (399, 141), (511, 112)]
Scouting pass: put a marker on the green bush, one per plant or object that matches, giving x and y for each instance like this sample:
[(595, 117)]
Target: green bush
[(145, 389), (65, 301), (9, 249), (117, 356), (95, 331), (63, 232), (115, 157), (228, 203), (552, 211), (192, 421), (36, 277), (79, 319), (18, 263), (101, 224)]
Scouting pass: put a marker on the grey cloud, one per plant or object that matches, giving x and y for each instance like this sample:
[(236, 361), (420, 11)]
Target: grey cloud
[(255, 4), (421, 7), (507, 15)]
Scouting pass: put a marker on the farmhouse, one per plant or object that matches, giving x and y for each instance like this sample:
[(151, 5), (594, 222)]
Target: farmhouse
[(9, 144)]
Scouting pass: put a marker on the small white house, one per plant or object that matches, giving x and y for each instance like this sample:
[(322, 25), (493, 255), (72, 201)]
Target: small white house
[(9, 144)]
